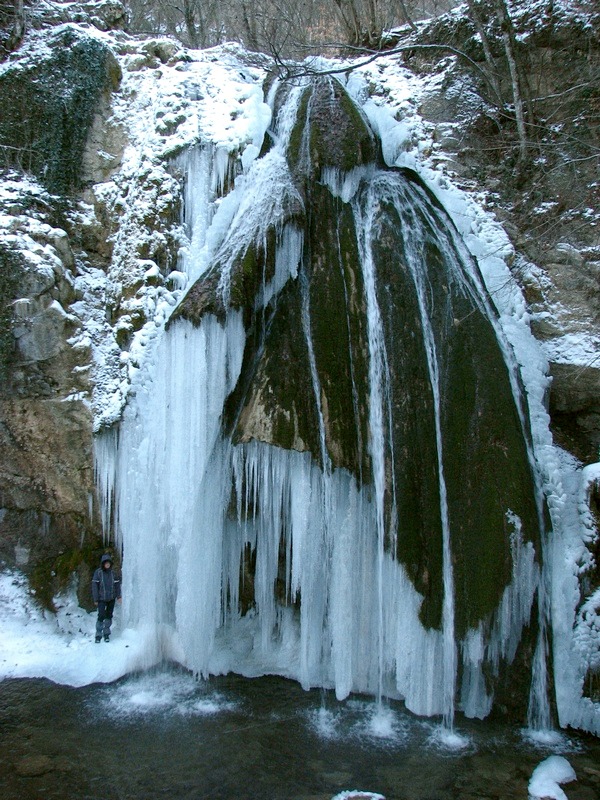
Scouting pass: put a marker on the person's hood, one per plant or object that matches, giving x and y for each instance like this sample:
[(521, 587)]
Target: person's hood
[(106, 557)]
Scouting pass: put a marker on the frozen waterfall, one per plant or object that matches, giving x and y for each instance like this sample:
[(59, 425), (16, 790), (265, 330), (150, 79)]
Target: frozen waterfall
[(255, 558)]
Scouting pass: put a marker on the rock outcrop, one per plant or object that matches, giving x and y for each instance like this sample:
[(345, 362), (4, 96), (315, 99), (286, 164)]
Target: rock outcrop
[(49, 104), (52, 97), (46, 473)]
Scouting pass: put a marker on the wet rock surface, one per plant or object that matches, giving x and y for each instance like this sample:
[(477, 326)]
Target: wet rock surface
[(34, 766)]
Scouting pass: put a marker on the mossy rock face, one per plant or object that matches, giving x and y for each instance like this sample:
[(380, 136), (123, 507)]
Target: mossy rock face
[(54, 575), (255, 267), (411, 456), (338, 330), (459, 452), (240, 271), (486, 464), (51, 548), (251, 268), (203, 298), (330, 132), (486, 468), (274, 401), (48, 104)]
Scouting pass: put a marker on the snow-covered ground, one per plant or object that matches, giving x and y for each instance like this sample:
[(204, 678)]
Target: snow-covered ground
[(38, 644)]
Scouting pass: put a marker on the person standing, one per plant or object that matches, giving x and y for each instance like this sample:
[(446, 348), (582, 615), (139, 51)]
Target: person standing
[(106, 588)]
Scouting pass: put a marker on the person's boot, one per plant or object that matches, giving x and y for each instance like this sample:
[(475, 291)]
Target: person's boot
[(98, 638), (106, 637)]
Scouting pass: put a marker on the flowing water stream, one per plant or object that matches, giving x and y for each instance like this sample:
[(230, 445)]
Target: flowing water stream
[(163, 734)]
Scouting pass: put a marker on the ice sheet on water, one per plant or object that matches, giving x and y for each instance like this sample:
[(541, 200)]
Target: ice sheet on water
[(357, 794)]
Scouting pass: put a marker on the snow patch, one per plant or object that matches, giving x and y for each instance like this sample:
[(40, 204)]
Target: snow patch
[(39, 644), (547, 777)]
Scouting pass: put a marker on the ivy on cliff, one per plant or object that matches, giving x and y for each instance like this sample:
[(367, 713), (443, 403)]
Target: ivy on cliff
[(48, 107), (9, 277)]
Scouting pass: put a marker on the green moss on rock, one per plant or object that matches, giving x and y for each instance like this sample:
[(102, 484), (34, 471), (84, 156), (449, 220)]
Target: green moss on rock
[(274, 402), (487, 473), (338, 327), (203, 298), (412, 463), (53, 575), (330, 131), (487, 467), (253, 269)]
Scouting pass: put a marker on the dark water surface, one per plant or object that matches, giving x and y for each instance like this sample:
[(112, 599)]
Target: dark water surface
[(162, 734)]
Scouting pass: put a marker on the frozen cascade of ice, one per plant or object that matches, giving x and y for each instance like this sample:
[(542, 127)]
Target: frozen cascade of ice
[(168, 459), (384, 188), (378, 414), (574, 649), (206, 169), (196, 164), (332, 605), (284, 121)]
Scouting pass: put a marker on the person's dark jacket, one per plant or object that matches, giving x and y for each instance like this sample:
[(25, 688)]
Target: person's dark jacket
[(106, 585)]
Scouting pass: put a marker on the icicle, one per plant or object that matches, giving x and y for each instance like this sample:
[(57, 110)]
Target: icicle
[(105, 459), (345, 184), (475, 701), (288, 255)]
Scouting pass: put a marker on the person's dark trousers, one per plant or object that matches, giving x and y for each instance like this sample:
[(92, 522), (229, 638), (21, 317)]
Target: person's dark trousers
[(105, 615)]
